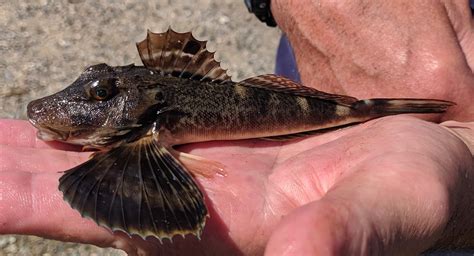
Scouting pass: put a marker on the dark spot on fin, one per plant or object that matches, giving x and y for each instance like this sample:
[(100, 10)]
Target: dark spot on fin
[(191, 47), (285, 85), (180, 55), (139, 188)]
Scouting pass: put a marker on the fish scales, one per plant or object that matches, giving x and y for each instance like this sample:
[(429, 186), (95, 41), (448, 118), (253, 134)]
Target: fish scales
[(232, 111), (138, 183)]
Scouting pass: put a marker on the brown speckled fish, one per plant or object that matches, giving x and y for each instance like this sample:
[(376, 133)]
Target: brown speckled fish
[(137, 182)]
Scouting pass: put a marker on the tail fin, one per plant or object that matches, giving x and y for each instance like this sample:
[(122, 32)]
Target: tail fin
[(384, 107)]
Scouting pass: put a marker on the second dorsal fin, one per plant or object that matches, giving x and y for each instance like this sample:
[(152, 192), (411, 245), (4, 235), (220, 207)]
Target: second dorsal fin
[(180, 55), (285, 85)]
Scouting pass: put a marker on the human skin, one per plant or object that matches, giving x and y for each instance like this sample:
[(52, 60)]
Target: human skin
[(396, 185), (391, 185), (380, 48)]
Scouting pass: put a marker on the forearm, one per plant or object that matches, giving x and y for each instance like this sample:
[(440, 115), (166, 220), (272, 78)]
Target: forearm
[(383, 48)]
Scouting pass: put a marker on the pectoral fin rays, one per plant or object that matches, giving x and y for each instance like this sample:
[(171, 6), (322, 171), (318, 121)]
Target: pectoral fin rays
[(139, 188), (200, 165)]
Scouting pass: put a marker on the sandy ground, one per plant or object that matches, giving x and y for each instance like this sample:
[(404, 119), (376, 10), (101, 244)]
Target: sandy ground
[(45, 45)]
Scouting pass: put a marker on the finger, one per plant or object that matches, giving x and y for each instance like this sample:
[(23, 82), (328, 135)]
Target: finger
[(28, 163), (21, 133), (20, 159), (24, 190), (31, 204)]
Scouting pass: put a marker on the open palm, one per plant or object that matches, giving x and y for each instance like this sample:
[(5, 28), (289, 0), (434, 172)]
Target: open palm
[(368, 188)]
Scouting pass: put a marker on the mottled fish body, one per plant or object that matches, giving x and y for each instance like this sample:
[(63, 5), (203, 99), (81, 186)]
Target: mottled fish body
[(231, 111), (256, 108), (138, 183)]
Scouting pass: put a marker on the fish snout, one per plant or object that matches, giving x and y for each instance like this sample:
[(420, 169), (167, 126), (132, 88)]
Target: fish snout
[(35, 110), (42, 116), (41, 113)]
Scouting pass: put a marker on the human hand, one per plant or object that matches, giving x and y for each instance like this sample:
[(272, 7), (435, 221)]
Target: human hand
[(399, 48), (391, 185)]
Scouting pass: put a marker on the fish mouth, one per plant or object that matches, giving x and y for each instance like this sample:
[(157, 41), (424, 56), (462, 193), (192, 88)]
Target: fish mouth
[(91, 136), (49, 133)]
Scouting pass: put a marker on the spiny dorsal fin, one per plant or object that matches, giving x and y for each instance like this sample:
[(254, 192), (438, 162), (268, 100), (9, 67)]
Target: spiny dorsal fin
[(180, 55), (285, 85)]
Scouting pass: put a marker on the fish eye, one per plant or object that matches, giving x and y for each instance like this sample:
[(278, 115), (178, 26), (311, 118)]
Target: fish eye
[(101, 93), (103, 89)]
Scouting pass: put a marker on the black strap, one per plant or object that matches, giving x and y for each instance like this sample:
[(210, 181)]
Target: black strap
[(261, 9)]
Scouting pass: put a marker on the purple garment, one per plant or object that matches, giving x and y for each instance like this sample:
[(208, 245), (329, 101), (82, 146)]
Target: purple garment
[(286, 62)]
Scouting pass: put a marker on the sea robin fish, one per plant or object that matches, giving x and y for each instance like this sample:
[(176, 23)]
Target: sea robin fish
[(134, 115)]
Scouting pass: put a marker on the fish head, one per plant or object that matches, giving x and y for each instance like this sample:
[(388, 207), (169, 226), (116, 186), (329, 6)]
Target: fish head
[(103, 105)]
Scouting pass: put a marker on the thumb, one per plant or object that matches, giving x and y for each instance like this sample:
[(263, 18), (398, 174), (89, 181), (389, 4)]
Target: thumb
[(382, 211)]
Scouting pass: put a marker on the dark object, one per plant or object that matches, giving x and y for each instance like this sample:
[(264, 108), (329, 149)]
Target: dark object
[(261, 9), (285, 61), (138, 183), (139, 188)]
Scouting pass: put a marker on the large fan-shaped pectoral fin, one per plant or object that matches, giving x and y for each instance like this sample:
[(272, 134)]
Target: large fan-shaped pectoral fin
[(139, 188)]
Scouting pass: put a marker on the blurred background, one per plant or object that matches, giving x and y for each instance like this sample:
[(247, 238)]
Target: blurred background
[(45, 45)]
